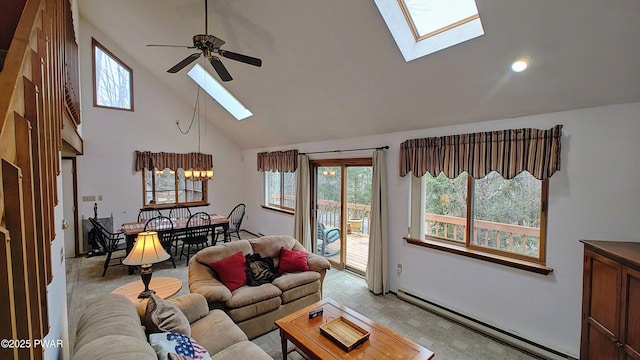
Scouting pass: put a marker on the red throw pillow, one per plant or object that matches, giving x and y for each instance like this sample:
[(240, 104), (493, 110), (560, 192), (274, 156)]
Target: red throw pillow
[(232, 270), (293, 261)]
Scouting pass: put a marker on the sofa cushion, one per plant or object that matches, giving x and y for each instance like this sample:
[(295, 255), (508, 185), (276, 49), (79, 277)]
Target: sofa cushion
[(255, 309), (292, 280), (216, 332), (108, 314), (300, 291), (232, 270), (164, 316), (109, 347), (247, 295), (269, 246), (165, 343), (292, 261), (222, 250), (242, 350)]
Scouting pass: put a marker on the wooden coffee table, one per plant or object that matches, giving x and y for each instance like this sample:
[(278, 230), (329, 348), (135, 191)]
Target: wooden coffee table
[(305, 334), (165, 288)]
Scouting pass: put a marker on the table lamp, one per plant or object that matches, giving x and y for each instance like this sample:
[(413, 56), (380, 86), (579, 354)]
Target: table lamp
[(147, 250)]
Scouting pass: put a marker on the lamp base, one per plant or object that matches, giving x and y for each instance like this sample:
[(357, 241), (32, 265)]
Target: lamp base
[(145, 274), (146, 293)]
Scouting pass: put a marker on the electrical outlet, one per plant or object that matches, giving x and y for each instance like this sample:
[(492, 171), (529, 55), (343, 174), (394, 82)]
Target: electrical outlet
[(399, 270)]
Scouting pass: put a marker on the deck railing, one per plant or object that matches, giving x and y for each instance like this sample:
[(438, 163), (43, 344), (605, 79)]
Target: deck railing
[(329, 211), (512, 238)]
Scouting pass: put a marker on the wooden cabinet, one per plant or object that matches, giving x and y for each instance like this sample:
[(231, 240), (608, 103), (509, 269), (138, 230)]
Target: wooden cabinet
[(611, 301)]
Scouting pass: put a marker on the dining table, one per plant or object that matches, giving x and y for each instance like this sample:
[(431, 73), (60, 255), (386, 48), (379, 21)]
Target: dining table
[(132, 229)]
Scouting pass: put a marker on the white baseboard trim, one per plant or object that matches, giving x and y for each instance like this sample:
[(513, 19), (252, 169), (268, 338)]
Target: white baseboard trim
[(489, 330)]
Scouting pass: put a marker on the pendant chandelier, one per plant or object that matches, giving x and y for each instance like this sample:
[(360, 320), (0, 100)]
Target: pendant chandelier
[(199, 173)]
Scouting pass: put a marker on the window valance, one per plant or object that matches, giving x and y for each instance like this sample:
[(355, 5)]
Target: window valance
[(508, 152), (162, 160), (282, 161)]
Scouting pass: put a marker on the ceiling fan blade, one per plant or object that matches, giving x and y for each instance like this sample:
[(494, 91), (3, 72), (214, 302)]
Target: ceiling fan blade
[(220, 69), (178, 46), (188, 60), (242, 58)]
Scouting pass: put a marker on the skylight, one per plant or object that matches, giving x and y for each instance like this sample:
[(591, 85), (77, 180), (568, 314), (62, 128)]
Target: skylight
[(206, 81), (422, 27)]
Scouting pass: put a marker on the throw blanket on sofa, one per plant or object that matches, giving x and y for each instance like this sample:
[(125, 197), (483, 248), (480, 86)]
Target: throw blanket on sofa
[(260, 270)]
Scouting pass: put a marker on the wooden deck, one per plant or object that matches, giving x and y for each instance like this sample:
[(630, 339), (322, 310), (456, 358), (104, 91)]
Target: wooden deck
[(357, 252)]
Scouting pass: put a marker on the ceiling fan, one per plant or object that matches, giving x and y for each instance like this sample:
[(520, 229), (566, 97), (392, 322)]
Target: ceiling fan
[(209, 45)]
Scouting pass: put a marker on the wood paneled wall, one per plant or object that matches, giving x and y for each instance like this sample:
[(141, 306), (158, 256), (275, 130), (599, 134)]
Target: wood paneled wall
[(38, 87)]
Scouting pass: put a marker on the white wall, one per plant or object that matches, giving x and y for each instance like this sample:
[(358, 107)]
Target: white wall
[(594, 196), (112, 136), (57, 339)]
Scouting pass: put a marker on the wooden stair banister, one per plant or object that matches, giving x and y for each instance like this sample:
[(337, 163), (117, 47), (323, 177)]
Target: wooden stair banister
[(39, 84)]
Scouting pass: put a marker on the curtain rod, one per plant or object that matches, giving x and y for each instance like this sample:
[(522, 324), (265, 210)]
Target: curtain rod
[(338, 151)]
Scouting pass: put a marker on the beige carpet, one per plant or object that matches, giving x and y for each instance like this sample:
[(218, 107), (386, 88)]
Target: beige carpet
[(446, 339)]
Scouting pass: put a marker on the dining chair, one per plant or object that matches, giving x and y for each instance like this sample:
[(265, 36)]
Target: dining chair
[(164, 227), (197, 233), (147, 213), (110, 241), (235, 221), (179, 212)]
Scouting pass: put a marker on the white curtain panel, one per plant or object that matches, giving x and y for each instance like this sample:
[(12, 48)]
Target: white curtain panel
[(377, 265), (301, 222)]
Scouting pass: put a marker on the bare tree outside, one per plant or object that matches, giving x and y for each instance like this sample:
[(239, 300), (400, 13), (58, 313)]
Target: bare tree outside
[(112, 80)]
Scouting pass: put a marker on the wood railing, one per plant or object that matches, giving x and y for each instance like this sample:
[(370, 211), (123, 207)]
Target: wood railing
[(329, 211), (512, 238), (32, 114)]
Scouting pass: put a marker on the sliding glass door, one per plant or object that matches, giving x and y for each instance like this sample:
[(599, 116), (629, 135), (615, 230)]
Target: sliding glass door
[(341, 201)]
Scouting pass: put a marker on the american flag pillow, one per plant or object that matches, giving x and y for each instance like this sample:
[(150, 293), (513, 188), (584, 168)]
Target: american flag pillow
[(176, 343)]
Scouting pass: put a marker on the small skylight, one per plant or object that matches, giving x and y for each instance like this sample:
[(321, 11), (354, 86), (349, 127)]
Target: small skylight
[(206, 81), (422, 27)]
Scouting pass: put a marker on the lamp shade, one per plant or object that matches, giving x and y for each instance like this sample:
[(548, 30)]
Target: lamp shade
[(146, 250)]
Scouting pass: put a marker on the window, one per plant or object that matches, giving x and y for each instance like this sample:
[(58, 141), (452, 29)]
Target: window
[(203, 78), (169, 187), (112, 80), (490, 216), (280, 190), (422, 27), (494, 215), (497, 220)]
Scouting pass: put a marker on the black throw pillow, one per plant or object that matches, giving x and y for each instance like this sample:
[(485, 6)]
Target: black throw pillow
[(260, 270)]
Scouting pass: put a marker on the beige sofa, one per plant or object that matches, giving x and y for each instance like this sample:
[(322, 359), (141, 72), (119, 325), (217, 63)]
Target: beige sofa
[(112, 328), (256, 308)]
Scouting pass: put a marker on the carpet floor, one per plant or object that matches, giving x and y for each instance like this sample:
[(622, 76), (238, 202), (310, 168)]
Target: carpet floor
[(447, 339)]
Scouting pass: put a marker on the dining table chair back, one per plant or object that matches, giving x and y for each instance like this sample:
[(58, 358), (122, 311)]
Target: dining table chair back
[(197, 233), (235, 221), (148, 213), (179, 212), (164, 227), (110, 241)]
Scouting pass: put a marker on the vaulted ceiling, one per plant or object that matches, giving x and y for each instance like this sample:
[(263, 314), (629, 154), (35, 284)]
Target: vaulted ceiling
[(332, 70)]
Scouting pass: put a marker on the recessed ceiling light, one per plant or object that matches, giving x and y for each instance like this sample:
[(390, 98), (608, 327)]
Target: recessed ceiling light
[(519, 65)]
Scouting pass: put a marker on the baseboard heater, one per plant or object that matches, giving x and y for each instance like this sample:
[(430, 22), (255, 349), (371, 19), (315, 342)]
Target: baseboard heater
[(484, 328)]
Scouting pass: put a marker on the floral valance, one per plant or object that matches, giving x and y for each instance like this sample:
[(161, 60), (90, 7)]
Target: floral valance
[(508, 152), (281, 161), (162, 160)]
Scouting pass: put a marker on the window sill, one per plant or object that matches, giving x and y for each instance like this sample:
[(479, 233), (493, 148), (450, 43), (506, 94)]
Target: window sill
[(496, 259), (289, 212)]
